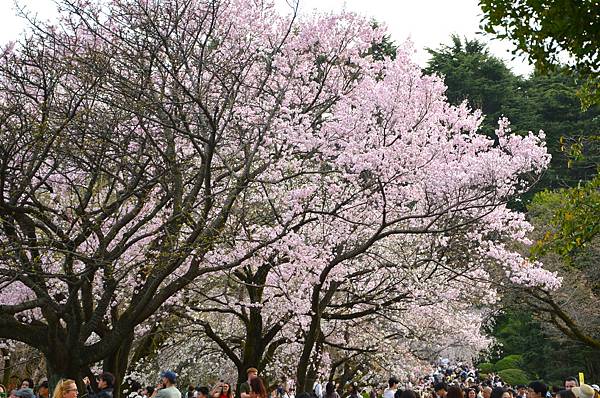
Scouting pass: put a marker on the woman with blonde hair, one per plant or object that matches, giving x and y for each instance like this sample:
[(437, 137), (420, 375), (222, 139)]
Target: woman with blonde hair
[(65, 388)]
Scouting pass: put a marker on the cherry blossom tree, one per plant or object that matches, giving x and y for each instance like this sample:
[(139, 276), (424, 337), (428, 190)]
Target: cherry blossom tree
[(400, 308), (147, 145)]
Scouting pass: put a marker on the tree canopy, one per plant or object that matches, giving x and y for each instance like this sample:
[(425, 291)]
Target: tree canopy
[(270, 180), (551, 33), (564, 211)]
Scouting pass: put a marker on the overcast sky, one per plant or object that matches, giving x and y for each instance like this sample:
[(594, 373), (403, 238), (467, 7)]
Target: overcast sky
[(428, 23)]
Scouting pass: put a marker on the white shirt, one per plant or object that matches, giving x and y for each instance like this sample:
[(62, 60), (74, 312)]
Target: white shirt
[(317, 389), (389, 393)]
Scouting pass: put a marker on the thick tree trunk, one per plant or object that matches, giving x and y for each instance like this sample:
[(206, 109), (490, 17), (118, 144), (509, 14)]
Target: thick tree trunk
[(6, 367), (255, 344), (60, 367), (253, 350), (241, 377), (312, 336), (313, 367), (65, 361), (117, 365), (314, 333)]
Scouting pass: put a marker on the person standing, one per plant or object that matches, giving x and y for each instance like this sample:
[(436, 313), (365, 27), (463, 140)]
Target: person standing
[(257, 388), (222, 390), (536, 389), (27, 383), (455, 392), (24, 393), (245, 388), (330, 391), (65, 388), (106, 382), (43, 391), (353, 391), (167, 387), (392, 387), (441, 390), (571, 382), (373, 392), (203, 392), (317, 389)]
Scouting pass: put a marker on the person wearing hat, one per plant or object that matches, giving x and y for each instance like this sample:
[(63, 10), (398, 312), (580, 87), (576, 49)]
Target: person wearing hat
[(24, 393), (166, 388), (245, 388), (584, 391)]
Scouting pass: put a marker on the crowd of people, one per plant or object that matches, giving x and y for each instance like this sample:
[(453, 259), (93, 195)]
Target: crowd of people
[(254, 387), (445, 382), (25, 389), (465, 382)]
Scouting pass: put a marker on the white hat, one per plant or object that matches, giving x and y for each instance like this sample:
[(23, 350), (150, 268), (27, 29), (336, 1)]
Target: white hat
[(584, 391)]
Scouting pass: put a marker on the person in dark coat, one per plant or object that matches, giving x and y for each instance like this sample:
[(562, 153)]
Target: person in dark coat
[(106, 384)]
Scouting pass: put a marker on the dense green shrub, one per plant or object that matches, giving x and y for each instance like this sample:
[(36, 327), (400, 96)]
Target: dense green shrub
[(509, 362), (514, 376), (485, 367)]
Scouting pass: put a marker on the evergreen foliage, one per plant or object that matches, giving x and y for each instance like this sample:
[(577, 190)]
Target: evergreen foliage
[(514, 361), (548, 102), (514, 376), (568, 190)]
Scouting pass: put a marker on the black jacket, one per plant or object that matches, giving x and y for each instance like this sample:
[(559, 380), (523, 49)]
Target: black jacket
[(106, 393)]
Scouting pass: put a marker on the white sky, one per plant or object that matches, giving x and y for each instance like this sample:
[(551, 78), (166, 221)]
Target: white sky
[(428, 23)]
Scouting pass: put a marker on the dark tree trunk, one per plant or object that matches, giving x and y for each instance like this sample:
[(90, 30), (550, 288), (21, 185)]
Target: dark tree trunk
[(302, 369), (117, 365), (64, 360), (59, 369), (311, 373), (254, 345), (6, 367), (319, 301)]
